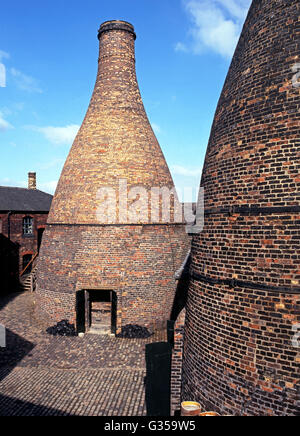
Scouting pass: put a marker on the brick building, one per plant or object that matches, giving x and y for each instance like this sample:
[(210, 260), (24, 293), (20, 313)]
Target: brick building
[(241, 355), (23, 217), (121, 265)]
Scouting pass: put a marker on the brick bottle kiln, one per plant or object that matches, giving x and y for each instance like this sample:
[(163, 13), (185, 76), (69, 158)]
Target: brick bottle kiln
[(241, 350), (87, 261)]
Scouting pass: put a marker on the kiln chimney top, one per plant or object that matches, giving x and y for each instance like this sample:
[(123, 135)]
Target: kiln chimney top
[(116, 25)]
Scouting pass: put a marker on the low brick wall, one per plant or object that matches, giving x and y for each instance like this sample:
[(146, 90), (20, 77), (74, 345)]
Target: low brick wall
[(177, 356)]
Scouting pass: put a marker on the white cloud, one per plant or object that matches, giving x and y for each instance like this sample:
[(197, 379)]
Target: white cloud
[(2, 76), (24, 82), (187, 181), (237, 8), (17, 107), (49, 187), (57, 162), (13, 109), (3, 55), (183, 171), (217, 25), (58, 135), (10, 182), (4, 125), (181, 47), (156, 128)]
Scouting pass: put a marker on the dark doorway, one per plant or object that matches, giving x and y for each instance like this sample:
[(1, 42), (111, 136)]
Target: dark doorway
[(26, 261), (9, 266), (40, 236), (96, 311)]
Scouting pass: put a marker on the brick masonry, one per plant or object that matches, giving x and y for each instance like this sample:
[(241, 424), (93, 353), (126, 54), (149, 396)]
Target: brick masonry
[(135, 258), (139, 268), (176, 367), (243, 302), (25, 244)]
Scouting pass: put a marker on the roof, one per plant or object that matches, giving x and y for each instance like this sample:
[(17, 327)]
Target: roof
[(25, 200)]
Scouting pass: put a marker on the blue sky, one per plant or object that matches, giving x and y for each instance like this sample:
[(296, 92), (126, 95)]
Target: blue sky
[(48, 65)]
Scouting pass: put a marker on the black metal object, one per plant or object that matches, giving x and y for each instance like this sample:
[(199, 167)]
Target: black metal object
[(233, 283), (251, 210), (158, 378)]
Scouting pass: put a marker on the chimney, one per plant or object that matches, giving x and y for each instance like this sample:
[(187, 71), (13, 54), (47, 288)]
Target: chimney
[(115, 149), (31, 180)]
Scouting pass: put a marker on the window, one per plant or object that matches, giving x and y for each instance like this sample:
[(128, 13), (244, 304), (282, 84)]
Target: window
[(27, 226)]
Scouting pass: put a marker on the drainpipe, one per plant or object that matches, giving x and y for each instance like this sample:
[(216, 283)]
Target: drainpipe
[(8, 223)]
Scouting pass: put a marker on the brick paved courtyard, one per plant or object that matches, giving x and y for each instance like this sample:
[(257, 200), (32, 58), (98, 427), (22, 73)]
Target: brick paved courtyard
[(46, 375)]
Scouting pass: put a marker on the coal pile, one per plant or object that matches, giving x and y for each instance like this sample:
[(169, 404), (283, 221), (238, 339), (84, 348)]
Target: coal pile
[(63, 328), (134, 332)]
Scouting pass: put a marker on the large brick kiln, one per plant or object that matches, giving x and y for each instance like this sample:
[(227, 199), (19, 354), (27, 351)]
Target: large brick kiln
[(241, 351), (111, 269)]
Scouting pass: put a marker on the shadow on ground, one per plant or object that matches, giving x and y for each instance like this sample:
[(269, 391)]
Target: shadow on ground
[(14, 407), (7, 297), (16, 349)]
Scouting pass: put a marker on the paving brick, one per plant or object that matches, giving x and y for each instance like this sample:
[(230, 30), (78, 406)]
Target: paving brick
[(46, 375)]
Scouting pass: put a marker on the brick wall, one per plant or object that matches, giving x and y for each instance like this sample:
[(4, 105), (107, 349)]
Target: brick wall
[(137, 262), (26, 244), (176, 368), (243, 304)]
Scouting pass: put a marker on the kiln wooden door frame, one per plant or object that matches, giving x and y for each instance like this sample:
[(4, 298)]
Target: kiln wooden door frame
[(83, 309)]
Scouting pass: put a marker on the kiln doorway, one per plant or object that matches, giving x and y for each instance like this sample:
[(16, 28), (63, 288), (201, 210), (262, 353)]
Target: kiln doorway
[(96, 311)]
